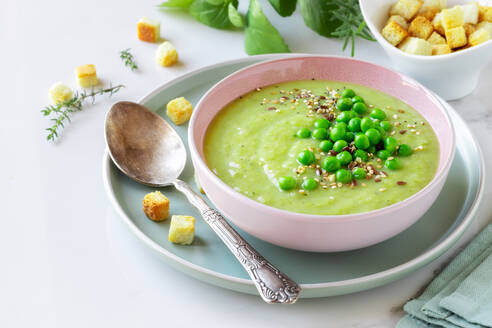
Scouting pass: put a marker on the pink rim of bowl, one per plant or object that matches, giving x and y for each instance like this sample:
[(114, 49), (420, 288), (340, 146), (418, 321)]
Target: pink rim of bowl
[(319, 233)]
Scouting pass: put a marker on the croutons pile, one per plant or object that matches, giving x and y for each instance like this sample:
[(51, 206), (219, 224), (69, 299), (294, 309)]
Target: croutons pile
[(428, 28)]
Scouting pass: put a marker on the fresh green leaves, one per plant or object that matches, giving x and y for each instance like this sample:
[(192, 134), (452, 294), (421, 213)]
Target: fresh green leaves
[(235, 17), (261, 36), (176, 4), (214, 13), (284, 7), (318, 16)]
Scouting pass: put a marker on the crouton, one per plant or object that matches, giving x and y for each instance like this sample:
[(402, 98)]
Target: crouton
[(436, 38), (439, 4), (485, 14), (486, 26), (166, 54), (148, 30), (86, 75), (456, 37), (420, 27), (437, 23), (59, 93), (429, 12), (479, 36), (182, 230), (399, 20), (469, 29), (440, 49), (470, 13), (406, 8), (416, 46), (179, 110), (452, 17), (156, 206), (394, 33)]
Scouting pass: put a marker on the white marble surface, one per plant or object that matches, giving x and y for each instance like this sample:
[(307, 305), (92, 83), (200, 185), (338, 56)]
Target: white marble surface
[(66, 258)]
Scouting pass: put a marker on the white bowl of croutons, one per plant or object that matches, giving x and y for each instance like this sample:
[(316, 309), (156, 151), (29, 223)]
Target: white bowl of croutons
[(443, 44)]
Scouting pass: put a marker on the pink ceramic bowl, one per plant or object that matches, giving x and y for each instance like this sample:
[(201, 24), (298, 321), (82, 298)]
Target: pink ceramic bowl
[(319, 233)]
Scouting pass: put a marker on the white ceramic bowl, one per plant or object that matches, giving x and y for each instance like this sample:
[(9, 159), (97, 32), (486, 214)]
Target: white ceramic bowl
[(451, 76)]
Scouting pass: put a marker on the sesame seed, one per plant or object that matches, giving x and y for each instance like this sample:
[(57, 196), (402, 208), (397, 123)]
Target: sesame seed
[(382, 189), (258, 89), (395, 116)]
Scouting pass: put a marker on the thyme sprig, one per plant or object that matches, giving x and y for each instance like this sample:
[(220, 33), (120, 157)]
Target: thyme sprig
[(128, 60), (353, 24), (62, 111)]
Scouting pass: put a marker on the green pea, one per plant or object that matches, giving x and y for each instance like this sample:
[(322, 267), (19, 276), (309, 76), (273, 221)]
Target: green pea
[(374, 136), (287, 183), (383, 154), (348, 93), (344, 116), (344, 157), (341, 125), (359, 108), (393, 164), (359, 153), (339, 145), (354, 124), (349, 136), (303, 133), (382, 132), (378, 113), (322, 123), (366, 123), (390, 144), (343, 176), (405, 150), (330, 164), (306, 157), (358, 99), (362, 141), (385, 125), (337, 133), (344, 104), (371, 149), (326, 145), (309, 184), (359, 173), (320, 133)]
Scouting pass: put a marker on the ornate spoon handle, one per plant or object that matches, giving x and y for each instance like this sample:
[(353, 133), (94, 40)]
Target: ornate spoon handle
[(273, 285)]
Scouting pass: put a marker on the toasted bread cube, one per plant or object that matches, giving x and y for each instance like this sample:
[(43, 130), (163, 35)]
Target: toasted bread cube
[(148, 30), (406, 8), (394, 33), (439, 4), (86, 75), (437, 23), (179, 110), (436, 38), (440, 49), (416, 46), (182, 230), (156, 206), (456, 37), (420, 27), (486, 26), (485, 14), (399, 20), (470, 13), (452, 17), (429, 12), (166, 54), (479, 36), (59, 93), (469, 29)]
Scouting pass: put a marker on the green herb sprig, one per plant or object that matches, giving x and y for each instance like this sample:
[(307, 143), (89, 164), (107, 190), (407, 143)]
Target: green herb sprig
[(64, 110), (128, 60)]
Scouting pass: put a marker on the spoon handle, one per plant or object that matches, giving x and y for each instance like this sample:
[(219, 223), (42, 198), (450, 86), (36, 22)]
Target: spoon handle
[(273, 285)]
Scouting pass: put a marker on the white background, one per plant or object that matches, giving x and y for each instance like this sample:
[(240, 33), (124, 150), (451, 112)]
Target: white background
[(66, 258)]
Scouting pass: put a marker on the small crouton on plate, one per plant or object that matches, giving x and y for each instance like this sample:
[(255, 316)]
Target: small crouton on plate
[(437, 23), (452, 17), (86, 75), (469, 29), (436, 38), (416, 46), (166, 54), (420, 27), (479, 36), (59, 93), (470, 13), (148, 30), (485, 14), (439, 4), (440, 49), (156, 206), (406, 8), (486, 26), (394, 33), (398, 19), (429, 12), (179, 110), (182, 230), (456, 37)]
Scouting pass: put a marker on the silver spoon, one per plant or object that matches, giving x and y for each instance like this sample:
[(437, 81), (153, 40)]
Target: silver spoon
[(148, 150)]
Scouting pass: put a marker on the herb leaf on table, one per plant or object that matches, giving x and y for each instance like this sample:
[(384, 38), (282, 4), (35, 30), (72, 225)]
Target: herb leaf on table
[(214, 13), (318, 16), (176, 4), (284, 7), (235, 17)]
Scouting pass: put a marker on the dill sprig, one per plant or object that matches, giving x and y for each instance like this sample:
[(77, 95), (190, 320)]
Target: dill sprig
[(127, 58), (353, 24), (63, 110)]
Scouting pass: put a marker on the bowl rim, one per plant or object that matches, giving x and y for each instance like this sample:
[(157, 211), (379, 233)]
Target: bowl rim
[(200, 164)]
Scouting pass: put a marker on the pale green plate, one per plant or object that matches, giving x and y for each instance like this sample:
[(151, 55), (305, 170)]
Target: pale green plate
[(320, 274)]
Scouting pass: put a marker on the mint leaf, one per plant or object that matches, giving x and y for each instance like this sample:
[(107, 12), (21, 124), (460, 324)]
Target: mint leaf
[(235, 17), (176, 4), (214, 13), (284, 7), (318, 15), (261, 36)]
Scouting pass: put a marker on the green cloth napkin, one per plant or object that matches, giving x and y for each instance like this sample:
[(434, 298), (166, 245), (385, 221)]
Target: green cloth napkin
[(461, 295)]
